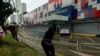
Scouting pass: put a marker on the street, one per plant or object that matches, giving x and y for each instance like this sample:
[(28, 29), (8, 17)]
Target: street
[(63, 46)]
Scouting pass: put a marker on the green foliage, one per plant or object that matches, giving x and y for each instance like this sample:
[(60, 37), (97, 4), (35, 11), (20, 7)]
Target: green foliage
[(6, 9), (11, 47)]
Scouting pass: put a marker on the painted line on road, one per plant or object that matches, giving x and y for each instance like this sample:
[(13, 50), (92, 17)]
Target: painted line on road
[(80, 53), (94, 47), (90, 51)]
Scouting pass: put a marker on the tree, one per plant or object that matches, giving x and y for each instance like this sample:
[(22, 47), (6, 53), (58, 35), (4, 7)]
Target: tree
[(6, 9)]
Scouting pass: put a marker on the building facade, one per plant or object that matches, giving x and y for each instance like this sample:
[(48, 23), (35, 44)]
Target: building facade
[(20, 9)]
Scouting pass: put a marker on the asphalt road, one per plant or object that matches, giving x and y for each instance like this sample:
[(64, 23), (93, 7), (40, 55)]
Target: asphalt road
[(84, 47)]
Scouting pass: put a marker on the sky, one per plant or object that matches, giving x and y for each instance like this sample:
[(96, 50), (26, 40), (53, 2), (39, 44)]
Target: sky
[(32, 4)]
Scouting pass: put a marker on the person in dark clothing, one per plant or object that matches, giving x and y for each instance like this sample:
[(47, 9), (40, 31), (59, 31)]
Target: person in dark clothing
[(13, 29), (47, 42)]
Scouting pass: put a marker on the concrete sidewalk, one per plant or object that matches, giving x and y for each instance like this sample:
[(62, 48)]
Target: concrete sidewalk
[(31, 41)]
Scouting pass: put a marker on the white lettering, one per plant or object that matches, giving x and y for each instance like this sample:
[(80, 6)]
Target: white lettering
[(59, 11)]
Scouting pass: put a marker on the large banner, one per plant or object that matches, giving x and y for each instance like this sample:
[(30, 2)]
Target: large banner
[(88, 9), (67, 10), (62, 8)]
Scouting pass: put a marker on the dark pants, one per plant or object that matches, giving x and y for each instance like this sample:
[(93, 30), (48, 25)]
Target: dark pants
[(48, 48), (14, 35)]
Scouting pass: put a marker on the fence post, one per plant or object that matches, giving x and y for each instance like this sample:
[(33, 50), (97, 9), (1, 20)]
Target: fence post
[(78, 47)]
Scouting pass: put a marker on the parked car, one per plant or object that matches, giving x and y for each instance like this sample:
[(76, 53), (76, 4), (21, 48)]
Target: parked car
[(64, 31)]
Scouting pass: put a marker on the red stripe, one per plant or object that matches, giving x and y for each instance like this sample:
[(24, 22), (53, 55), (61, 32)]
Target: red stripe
[(83, 2), (50, 1), (94, 12), (86, 12), (75, 1), (1, 35), (75, 17), (98, 13)]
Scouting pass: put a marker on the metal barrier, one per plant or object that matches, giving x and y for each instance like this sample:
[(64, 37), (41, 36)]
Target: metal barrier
[(79, 47), (91, 45)]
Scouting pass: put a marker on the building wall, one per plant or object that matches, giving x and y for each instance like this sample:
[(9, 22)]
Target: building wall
[(84, 9), (23, 8), (90, 28)]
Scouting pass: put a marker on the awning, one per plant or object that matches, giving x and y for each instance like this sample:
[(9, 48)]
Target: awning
[(57, 17), (54, 19)]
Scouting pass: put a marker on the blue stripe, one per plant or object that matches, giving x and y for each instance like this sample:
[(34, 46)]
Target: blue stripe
[(98, 1), (69, 11), (65, 11), (89, 12)]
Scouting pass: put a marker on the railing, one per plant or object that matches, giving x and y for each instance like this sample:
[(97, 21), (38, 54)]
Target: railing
[(80, 46), (92, 47)]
